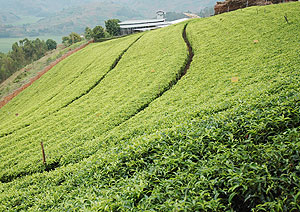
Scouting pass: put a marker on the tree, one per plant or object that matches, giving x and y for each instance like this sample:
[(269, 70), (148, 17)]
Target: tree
[(40, 48), (172, 16), (74, 37), (8, 66), (28, 49), (65, 40), (22, 54), (51, 44), (17, 54), (88, 34), (206, 12), (98, 33), (113, 27)]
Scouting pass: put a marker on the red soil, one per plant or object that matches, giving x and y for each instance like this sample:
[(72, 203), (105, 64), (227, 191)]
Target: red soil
[(39, 75)]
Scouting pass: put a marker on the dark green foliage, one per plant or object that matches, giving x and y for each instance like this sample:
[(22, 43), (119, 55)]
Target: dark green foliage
[(33, 50), (88, 33), (65, 40), (8, 67), (71, 39), (74, 38), (112, 27), (51, 44), (23, 53), (20, 77), (98, 33)]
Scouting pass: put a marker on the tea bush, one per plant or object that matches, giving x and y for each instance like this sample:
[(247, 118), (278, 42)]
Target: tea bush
[(225, 137)]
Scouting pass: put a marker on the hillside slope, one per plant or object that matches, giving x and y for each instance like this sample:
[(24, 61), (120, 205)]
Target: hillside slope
[(26, 74), (37, 18), (130, 130), (87, 99)]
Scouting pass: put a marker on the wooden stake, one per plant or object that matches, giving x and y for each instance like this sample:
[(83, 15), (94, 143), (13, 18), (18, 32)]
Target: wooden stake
[(286, 19), (43, 151)]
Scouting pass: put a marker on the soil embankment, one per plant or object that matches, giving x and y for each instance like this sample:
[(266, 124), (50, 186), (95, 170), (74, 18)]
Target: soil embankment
[(39, 75), (231, 5)]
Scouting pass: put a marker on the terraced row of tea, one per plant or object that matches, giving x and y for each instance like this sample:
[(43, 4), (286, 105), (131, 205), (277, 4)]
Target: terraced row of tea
[(226, 136)]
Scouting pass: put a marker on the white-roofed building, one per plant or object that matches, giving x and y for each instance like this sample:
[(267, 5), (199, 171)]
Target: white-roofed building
[(129, 27)]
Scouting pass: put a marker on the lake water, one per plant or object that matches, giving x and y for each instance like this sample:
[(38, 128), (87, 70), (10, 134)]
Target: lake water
[(6, 43)]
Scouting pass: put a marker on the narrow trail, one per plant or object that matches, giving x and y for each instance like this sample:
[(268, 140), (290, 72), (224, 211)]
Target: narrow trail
[(190, 49), (172, 83), (181, 73), (184, 69)]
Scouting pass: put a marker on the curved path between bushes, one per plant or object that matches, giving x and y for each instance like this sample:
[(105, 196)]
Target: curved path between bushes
[(181, 73), (172, 83)]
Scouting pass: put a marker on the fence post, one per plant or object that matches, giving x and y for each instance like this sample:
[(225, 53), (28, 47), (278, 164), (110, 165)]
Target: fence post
[(43, 152)]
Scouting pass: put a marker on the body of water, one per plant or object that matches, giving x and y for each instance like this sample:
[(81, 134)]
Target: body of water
[(6, 43)]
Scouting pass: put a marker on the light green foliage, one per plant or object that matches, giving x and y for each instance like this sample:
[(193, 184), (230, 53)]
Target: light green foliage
[(78, 78), (116, 98), (226, 137)]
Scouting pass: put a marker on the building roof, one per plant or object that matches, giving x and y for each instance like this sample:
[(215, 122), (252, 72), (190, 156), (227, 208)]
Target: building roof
[(149, 28), (178, 21), (160, 11), (144, 25), (134, 22)]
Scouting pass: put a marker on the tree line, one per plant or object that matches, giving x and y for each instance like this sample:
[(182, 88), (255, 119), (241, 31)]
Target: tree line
[(23, 53), (112, 29)]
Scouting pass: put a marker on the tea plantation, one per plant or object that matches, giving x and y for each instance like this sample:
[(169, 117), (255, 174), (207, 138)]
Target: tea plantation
[(144, 123)]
